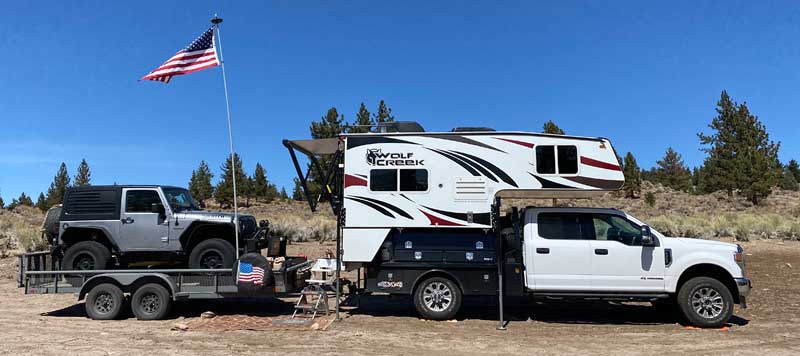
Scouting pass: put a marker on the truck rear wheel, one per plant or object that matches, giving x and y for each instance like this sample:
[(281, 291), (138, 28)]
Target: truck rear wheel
[(86, 256), (705, 302), (437, 298), (212, 253), (151, 302), (104, 302)]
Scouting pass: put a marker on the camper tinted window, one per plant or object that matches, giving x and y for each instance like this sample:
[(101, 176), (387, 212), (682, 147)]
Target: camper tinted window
[(383, 180), (567, 159), (545, 159), (413, 180)]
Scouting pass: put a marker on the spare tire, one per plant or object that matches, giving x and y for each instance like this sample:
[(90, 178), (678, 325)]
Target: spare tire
[(51, 224), (253, 273)]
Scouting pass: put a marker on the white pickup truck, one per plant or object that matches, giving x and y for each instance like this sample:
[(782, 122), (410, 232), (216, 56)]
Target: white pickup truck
[(582, 253)]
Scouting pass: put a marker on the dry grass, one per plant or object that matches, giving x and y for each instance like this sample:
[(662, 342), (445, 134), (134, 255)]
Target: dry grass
[(20, 230), (294, 220)]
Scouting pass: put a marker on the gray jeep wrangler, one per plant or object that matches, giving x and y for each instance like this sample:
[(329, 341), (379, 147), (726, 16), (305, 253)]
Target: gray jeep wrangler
[(101, 227)]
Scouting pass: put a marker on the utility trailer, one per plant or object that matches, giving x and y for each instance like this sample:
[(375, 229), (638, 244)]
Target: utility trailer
[(420, 213), (151, 291)]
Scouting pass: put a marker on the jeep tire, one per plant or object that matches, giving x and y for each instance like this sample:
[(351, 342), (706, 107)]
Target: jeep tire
[(437, 298), (705, 302), (151, 302), (86, 255), (212, 253), (104, 302)]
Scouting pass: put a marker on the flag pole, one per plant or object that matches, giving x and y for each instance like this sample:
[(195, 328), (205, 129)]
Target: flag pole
[(216, 21)]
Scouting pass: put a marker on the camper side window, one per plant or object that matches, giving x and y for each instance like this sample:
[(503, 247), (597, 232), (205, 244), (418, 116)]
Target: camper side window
[(413, 180), (567, 159), (383, 180), (545, 159), (546, 162)]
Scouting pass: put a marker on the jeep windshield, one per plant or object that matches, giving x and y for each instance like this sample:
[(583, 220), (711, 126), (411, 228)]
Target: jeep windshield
[(180, 199)]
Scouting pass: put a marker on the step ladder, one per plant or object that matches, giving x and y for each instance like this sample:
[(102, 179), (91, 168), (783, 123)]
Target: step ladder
[(314, 297)]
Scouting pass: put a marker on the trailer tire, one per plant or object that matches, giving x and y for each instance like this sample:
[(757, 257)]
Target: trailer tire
[(705, 302), (437, 298), (212, 253), (151, 302), (104, 302), (86, 255)]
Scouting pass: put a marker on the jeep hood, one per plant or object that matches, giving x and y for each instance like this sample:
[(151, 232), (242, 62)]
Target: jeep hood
[(208, 216)]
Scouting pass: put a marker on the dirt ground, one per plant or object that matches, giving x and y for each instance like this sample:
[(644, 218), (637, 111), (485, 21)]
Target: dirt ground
[(57, 325)]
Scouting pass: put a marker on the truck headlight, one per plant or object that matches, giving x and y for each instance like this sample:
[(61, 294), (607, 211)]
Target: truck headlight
[(738, 256)]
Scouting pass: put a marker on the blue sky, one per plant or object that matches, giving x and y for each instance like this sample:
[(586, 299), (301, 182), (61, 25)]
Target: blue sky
[(646, 75)]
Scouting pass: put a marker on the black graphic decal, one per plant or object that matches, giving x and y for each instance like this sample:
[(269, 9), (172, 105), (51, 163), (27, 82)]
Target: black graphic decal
[(497, 171), (550, 184), (466, 140), (597, 183), (388, 206), (373, 205), (458, 160), (355, 141), (479, 218)]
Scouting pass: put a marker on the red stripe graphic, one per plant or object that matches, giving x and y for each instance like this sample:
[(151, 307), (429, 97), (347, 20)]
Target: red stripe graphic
[(521, 143), (599, 164), (354, 180), (439, 221)]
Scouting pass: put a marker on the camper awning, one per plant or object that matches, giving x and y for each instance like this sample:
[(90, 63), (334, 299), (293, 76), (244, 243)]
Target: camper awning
[(320, 146)]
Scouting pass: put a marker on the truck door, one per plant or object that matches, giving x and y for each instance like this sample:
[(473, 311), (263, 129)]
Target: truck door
[(619, 261), (142, 228), (557, 256)]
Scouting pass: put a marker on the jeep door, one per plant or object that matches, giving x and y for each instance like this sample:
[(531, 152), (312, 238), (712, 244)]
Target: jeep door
[(619, 261), (145, 225)]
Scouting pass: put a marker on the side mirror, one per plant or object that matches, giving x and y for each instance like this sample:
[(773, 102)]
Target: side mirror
[(647, 236)]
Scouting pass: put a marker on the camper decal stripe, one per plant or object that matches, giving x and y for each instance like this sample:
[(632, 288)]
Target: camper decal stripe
[(374, 206), (466, 140), (521, 143), (388, 206), (597, 183), (599, 164), (350, 180), (355, 141), (479, 218), (439, 221), (497, 171), (550, 184), (460, 161), (474, 165)]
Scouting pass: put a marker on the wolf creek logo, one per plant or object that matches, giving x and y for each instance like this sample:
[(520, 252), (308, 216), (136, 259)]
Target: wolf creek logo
[(376, 157)]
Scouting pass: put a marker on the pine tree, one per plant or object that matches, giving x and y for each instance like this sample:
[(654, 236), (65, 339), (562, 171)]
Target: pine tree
[(283, 195), (794, 168), (55, 194), (633, 178), (363, 120), (25, 200), (550, 127), (84, 176), (224, 191), (41, 203), (260, 184), (200, 184), (788, 181), (2, 203), (741, 156), (297, 192), (384, 113), (329, 126), (672, 172)]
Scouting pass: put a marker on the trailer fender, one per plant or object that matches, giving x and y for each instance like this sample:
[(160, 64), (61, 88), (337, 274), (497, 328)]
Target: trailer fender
[(127, 282), (437, 272)]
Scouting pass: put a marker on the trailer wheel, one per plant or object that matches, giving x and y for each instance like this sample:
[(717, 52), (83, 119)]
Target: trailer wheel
[(151, 302), (705, 302), (212, 253), (437, 298), (104, 302)]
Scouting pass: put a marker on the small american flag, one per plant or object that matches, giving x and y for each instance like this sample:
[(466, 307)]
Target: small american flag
[(199, 55), (250, 274)]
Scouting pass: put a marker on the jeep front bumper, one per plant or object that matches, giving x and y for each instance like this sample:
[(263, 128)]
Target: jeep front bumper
[(744, 286)]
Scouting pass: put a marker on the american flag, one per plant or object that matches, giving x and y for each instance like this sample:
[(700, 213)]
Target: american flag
[(199, 55), (250, 274)]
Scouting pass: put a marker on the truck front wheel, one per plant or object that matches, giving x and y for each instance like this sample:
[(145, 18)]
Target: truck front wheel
[(705, 302), (437, 298), (212, 253)]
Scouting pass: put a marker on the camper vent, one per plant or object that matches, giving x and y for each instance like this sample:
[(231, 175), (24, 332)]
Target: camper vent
[(470, 188)]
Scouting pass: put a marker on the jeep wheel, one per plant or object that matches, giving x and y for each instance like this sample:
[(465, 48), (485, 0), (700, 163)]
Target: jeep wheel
[(705, 302), (86, 256), (212, 253), (104, 302), (150, 302), (437, 298)]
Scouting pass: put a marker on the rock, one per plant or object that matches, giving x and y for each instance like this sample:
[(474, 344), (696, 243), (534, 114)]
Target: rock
[(207, 315), (788, 265), (315, 326), (180, 327)]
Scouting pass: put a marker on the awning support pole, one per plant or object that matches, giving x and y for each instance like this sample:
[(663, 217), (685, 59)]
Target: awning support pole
[(500, 259)]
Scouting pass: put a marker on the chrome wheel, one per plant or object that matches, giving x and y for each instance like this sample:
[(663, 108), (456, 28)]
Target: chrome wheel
[(437, 296), (104, 303), (150, 303), (707, 303)]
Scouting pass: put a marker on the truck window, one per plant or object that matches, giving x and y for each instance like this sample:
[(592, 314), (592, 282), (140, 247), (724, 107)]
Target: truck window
[(140, 201), (561, 226), (413, 180), (383, 180), (545, 159), (567, 160), (616, 228)]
